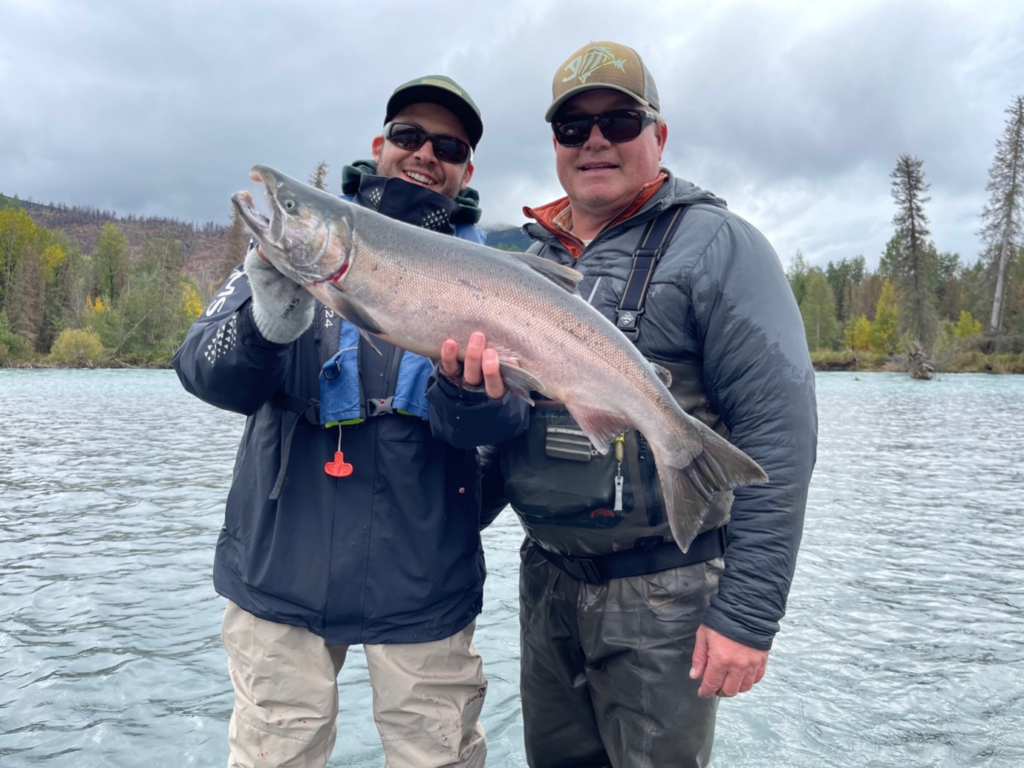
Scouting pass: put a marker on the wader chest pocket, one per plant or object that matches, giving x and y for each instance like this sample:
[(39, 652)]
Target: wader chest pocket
[(567, 443), (554, 476)]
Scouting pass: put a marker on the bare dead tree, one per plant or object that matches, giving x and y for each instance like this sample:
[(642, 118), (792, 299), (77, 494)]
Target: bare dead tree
[(1002, 215), (319, 177), (916, 254)]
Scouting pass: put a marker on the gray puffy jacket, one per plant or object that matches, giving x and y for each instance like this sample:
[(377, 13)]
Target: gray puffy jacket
[(721, 317)]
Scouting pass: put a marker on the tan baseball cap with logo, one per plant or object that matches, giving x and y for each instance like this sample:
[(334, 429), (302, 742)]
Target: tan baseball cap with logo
[(603, 64)]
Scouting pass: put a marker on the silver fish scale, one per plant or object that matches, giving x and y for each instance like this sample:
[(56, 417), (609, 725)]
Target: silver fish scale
[(423, 289), (417, 288)]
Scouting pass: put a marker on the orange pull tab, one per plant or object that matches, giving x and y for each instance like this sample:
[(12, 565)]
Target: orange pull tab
[(338, 467)]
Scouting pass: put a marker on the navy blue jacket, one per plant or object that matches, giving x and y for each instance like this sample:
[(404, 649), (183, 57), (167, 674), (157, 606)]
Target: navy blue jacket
[(390, 554)]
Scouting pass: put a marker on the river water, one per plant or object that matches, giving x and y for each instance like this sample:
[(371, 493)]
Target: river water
[(903, 646)]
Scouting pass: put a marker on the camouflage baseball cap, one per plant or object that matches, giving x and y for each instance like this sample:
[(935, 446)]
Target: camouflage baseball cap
[(603, 64), (443, 91)]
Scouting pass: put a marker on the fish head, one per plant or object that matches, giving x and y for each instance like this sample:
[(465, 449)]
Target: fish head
[(308, 233)]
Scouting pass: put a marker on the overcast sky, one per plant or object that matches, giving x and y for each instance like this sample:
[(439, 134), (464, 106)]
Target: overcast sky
[(794, 112)]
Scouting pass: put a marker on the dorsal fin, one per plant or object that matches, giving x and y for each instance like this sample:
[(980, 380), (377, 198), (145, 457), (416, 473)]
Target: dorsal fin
[(564, 277)]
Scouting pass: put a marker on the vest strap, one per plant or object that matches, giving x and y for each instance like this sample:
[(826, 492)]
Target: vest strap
[(658, 234)]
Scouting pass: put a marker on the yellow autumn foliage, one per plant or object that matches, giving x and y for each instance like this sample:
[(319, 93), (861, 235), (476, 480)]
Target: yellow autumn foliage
[(967, 327), (52, 258), (76, 346), (191, 303)]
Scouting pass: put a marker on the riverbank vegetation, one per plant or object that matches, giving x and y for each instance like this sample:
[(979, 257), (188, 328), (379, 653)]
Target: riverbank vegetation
[(95, 290), (107, 308), (922, 303)]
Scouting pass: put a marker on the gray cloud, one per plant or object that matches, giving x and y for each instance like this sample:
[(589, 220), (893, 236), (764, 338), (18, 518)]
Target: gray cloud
[(794, 112)]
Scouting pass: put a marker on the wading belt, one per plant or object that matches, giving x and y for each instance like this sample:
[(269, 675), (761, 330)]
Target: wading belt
[(650, 555), (645, 258)]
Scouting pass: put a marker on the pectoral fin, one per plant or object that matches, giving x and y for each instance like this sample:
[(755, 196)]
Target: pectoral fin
[(602, 427), (520, 382)]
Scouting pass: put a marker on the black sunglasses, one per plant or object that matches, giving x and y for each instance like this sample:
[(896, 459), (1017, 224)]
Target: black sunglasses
[(447, 149), (617, 125)]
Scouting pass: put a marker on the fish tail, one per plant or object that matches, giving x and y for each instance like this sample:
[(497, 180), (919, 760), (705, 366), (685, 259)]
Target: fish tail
[(688, 490)]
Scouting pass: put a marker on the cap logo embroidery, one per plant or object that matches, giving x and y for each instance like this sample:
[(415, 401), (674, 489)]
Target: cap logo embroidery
[(591, 60)]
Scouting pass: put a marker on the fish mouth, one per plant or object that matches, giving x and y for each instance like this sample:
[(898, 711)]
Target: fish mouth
[(299, 237), (269, 231), (256, 221)]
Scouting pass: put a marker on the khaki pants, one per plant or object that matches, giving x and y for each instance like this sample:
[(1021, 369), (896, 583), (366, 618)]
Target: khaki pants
[(426, 697)]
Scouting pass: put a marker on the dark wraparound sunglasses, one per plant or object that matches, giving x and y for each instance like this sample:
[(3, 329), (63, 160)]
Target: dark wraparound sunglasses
[(447, 149), (617, 125)]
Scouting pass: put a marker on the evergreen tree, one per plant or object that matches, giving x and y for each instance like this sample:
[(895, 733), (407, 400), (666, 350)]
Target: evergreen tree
[(819, 312), (975, 288), (1013, 302), (858, 334), (74, 288), (864, 296), (110, 263), (946, 284), (53, 258), (914, 260), (1002, 215), (150, 321), (26, 307), (319, 177), (843, 276), (797, 275), (236, 243), (17, 232), (890, 264)]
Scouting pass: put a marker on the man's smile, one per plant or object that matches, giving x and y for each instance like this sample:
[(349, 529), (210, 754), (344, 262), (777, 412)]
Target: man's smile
[(420, 178)]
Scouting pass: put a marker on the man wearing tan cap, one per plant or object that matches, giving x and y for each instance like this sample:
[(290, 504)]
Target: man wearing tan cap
[(627, 642)]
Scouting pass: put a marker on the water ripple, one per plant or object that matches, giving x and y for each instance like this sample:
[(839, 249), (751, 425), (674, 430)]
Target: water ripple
[(902, 646)]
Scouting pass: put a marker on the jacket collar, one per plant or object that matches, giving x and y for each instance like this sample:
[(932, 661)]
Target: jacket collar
[(404, 201), (468, 209), (556, 217)]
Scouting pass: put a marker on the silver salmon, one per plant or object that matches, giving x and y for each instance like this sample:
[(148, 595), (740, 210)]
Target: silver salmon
[(415, 289)]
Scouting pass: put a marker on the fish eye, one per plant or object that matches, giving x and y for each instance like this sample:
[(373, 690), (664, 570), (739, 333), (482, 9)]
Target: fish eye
[(289, 205)]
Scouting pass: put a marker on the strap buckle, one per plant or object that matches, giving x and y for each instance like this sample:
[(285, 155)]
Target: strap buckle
[(379, 406), (628, 321), (582, 569), (649, 545)]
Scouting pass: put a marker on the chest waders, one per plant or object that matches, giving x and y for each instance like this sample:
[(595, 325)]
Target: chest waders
[(649, 554)]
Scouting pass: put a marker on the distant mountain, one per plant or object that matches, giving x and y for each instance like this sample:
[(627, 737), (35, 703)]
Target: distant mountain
[(506, 237), (200, 245)]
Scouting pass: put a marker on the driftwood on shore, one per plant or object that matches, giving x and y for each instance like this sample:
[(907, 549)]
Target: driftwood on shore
[(919, 365), (849, 364)]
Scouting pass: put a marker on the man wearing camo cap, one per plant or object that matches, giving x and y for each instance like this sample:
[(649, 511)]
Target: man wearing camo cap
[(627, 642)]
